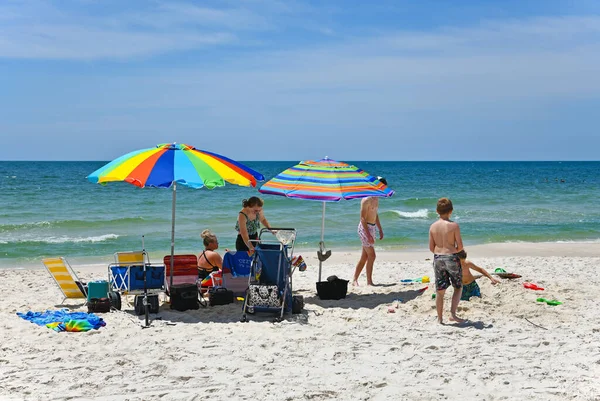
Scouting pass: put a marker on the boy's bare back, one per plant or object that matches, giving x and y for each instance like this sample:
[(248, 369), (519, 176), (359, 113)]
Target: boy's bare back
[(444, 237)]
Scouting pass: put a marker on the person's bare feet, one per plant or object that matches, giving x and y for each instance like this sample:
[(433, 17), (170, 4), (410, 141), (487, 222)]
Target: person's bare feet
[(371, 284), (457, 319), (355, 283)]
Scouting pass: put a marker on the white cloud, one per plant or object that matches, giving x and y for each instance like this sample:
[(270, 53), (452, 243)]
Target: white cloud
[(407, 71), (37, 30), (55, 30), (392, 85), (171, 14), (89, 43)]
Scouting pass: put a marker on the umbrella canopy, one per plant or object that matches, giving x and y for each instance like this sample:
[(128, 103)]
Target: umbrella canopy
[(325, 180), (167, 165)]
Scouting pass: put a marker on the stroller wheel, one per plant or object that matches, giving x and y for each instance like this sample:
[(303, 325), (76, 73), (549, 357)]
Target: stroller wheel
[(244, 319), (115, 299)]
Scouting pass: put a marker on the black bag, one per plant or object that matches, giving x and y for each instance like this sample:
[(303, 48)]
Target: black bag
[(333, 288), (219, 296), (297, 304), (184, 297), (139, 304), (98, 305)]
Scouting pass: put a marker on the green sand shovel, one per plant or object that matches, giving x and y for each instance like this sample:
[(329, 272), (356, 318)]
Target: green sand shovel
[(549, 302)]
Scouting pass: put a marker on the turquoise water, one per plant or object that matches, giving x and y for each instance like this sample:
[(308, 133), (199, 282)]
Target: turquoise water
[(50, 209)]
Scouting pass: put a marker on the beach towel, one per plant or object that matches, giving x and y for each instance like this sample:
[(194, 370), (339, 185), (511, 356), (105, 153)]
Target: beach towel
[(63, 320)]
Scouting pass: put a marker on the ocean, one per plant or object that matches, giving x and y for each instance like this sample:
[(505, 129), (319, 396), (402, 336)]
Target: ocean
[(51, 209)]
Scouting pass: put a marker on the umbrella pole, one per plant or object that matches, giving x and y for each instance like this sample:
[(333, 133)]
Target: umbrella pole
[(172, 237), (145, 299), (322, 244)]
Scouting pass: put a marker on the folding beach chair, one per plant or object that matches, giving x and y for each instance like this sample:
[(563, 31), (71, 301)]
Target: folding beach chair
[(185, 269), (132, 274), (120, 275), (65, 277), (236, 270), (131, 258), (185, 274)]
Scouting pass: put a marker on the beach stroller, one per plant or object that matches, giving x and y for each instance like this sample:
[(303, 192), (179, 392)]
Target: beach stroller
[(270, 281)]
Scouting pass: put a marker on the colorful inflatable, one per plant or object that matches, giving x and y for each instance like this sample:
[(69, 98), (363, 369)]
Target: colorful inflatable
[(212, 280)]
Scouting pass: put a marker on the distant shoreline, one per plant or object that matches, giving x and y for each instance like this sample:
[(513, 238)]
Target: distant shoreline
[(344, 255)]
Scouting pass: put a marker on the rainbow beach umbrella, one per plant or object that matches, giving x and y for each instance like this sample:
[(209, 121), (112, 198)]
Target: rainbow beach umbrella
[(167, 165), (325, 180)]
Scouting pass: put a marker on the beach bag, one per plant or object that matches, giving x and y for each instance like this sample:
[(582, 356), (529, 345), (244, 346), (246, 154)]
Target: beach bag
[(98, 305), (333, 288), (219, 296), (264, 295)]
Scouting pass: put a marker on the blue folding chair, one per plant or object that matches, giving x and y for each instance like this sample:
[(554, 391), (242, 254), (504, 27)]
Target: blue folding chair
[(235, 272)]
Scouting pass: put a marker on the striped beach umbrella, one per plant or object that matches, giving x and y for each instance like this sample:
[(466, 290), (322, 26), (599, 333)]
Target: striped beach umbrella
[(325, 180), (167, 165)]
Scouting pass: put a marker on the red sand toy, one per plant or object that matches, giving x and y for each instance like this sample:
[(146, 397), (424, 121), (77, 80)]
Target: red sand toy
[(532, 286)]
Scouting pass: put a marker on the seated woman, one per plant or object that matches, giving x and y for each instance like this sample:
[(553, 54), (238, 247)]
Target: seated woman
[(209, 260)]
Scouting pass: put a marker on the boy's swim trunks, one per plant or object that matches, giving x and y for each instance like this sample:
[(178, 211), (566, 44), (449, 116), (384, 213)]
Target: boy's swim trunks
[(470, 290), (447, 270), (363, 235)]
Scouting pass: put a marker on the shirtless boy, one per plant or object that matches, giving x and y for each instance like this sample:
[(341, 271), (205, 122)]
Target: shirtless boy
[(367, 227), (470, 286), (445, 242)]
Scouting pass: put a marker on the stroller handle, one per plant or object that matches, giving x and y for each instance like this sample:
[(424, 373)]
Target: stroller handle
[(276, 229)]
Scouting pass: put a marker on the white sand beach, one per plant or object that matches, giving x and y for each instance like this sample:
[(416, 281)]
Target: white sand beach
[(512, 347)]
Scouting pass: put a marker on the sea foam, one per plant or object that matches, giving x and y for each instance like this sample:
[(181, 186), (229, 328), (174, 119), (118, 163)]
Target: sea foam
[(66, 239), (419, 214)]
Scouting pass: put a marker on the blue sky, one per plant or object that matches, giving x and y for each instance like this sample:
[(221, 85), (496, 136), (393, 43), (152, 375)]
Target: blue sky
[(293, 80)]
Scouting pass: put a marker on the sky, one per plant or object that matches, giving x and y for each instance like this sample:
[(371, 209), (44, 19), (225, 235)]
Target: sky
[(295, 80)]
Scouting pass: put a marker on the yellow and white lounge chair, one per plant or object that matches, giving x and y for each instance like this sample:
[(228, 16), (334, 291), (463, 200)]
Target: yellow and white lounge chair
[(65, 277)]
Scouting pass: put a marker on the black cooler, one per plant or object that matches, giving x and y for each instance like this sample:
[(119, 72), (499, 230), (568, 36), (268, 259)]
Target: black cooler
[(184, 297)]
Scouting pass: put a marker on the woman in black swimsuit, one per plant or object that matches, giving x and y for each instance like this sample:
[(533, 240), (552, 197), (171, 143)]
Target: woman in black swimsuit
[(248, 224), (209, 260)]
